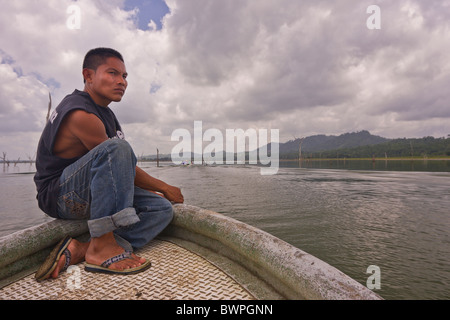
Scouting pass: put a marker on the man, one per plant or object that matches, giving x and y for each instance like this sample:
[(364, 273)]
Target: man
[(85, 170)]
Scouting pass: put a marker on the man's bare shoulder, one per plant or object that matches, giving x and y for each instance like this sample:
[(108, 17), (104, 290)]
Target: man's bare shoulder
[(80, 131), (82, 117)]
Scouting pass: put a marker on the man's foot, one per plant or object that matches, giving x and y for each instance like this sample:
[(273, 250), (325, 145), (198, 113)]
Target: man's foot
[(105, 247), (67, 252), (77, 251), (127, 255)]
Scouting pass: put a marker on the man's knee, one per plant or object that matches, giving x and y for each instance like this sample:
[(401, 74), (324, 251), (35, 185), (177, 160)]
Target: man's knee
[(117, 145), (119, 148)]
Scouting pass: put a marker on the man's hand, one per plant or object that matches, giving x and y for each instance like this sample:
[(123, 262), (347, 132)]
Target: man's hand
[(147, 182), (173, 194)]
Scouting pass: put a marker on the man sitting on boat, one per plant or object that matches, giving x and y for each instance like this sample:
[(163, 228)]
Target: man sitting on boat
[(86, 170)]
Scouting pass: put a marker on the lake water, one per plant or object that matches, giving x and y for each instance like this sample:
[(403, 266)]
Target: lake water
[(350, 215)]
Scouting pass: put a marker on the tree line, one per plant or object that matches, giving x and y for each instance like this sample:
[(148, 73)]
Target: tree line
[(402, 148)]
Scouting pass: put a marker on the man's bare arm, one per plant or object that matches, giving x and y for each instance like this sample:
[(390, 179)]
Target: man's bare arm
[(79, 132), (83, 131)]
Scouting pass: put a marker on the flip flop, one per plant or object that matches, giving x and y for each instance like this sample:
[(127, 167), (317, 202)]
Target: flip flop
[(50, 263), (103, 268)]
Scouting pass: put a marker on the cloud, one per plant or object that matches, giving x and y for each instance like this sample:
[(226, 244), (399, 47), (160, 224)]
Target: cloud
[(21, 96), (304, 67), (254, 60)]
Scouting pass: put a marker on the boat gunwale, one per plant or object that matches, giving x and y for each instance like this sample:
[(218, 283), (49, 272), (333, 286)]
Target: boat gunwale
[(292, 272)]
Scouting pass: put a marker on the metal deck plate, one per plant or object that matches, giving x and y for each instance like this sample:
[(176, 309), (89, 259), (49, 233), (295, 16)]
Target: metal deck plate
[(176, 273)]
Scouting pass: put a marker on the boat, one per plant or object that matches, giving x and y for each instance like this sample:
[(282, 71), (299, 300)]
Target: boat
[(202, 255)]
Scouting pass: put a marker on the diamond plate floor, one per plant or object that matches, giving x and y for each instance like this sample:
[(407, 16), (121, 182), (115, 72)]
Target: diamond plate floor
[(176, 274)]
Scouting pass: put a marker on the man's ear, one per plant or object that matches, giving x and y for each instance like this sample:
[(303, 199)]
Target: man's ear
[(88, 74)]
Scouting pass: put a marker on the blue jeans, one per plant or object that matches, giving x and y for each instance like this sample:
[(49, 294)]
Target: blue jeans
[(99, 187)]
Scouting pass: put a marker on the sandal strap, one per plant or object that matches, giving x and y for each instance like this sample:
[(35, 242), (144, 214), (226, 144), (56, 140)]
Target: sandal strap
[(68, 256), (119, 257)]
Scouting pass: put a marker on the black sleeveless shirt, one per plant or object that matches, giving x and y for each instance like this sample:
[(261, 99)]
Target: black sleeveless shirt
[(50, 167)]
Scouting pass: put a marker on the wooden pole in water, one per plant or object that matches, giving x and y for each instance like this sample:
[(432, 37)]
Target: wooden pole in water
[(300, 149), (157, 157)]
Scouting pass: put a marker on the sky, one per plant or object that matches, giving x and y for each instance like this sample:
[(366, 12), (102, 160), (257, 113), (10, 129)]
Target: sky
[(302, 67)]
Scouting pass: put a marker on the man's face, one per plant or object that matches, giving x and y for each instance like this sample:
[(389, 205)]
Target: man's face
[(108, 83)]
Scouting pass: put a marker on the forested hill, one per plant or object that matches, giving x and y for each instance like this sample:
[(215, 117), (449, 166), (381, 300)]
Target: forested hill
[(364, 145), (322, 142), (354, 145)]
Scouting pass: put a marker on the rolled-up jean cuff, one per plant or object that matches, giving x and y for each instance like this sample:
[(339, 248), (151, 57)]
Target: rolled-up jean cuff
[(123, 218)]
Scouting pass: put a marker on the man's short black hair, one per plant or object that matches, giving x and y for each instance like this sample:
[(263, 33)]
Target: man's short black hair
[(98, 56)]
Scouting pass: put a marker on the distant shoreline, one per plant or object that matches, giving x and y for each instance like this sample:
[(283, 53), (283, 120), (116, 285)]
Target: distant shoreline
[(371, 159), (435, 158)]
